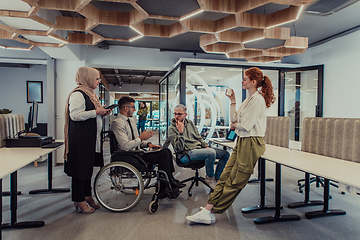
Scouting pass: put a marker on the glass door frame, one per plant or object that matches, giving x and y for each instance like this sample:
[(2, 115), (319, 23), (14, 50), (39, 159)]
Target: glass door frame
[(320, 89)]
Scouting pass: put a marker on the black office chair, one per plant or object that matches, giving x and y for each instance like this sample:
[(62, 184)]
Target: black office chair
[(194, 165)]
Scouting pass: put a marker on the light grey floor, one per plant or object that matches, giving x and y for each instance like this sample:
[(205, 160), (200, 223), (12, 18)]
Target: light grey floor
[(62, 222)]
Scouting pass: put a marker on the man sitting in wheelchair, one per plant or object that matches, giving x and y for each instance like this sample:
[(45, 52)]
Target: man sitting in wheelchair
[(124, 128)]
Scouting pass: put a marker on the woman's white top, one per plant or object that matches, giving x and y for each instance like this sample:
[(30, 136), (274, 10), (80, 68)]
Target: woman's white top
[(251, 116), (77, 113)]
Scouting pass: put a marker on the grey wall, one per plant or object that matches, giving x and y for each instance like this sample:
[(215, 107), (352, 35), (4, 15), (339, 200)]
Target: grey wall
[(13, 89)]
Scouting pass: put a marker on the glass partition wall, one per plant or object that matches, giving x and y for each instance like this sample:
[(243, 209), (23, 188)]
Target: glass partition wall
[(302, 97), (201, 87)]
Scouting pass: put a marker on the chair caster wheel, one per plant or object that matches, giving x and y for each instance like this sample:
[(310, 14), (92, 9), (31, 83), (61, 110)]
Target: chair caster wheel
[(153, 207), (190, 194)]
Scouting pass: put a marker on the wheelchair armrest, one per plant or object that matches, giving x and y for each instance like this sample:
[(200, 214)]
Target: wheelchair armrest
[(129, 153)]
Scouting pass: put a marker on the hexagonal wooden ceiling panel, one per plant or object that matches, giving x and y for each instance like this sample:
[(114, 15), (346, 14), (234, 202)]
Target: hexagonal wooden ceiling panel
[(246, 29)]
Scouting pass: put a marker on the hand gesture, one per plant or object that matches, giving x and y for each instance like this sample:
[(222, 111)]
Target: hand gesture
[(180, 126), (233, 125), (146, 135), (152, 146), (231, 96)]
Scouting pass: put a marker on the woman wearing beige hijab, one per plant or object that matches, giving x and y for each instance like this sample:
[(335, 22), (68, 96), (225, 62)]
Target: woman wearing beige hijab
[(83, 124)]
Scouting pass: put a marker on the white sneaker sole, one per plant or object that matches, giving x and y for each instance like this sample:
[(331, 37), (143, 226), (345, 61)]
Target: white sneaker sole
[(199, 220)]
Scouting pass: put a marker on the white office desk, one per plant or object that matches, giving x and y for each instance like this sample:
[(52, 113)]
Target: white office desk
[(330, 168), (11, 160)]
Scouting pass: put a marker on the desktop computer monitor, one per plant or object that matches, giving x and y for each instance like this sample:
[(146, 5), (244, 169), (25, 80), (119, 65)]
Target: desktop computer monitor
[(33, 116)]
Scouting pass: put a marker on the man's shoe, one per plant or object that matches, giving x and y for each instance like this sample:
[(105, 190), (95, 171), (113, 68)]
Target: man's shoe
[(178, 184), (204, 216), (211, 181)]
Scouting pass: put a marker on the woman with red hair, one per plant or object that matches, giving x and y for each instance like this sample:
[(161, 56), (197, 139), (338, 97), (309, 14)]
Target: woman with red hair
[(249, 123)]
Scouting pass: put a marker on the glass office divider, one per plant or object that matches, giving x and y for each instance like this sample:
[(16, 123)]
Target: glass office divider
[(303, 93), (208, 107)]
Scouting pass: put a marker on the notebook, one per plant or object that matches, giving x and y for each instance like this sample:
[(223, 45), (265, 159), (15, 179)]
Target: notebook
[(230, 136)]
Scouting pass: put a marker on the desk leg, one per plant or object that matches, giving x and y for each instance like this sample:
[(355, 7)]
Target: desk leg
[(262, 191), (307, 201), (277, 217), (13, 208), (50, 189), (325, 211), (258, 179)]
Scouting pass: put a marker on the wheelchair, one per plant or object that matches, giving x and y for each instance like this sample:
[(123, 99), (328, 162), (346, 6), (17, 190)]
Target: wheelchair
[(119, 185)]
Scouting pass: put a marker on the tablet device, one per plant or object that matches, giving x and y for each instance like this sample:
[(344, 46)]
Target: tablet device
[(230, 136), (111, 106)]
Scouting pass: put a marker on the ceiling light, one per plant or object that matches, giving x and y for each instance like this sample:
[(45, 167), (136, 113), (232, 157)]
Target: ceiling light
[(136, 38), (295, 47), (254, 40), (193, 14), (136, 30), (297, 17), (15, 48), (281, 23)]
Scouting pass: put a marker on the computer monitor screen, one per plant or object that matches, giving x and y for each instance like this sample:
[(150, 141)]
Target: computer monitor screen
[(33, 116)]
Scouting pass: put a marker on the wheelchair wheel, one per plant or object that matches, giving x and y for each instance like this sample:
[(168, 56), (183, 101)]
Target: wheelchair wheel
[(118, 186), (153, 207)]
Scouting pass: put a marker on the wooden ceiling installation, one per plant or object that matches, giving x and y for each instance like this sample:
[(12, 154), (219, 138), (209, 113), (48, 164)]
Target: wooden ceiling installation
[(220, 36)]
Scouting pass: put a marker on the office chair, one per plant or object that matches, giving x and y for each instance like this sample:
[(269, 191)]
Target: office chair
[(194, 165)]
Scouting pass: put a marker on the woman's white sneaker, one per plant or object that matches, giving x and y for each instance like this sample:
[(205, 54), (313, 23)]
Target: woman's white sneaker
[(204, 216)]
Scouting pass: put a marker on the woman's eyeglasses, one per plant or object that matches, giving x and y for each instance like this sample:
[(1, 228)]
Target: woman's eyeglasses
[(179, 114)]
